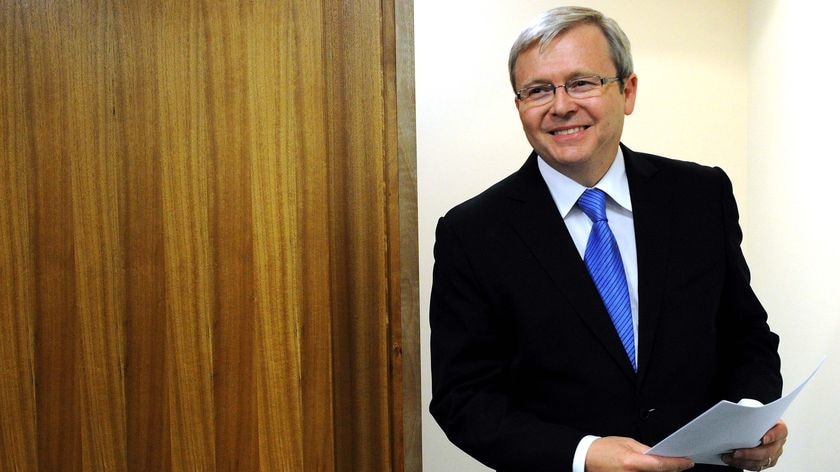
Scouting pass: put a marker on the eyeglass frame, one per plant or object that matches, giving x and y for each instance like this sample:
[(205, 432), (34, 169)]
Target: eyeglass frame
[(603, 81)]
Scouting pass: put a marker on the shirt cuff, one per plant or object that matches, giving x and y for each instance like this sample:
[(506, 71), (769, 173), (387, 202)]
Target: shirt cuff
[(579, 461)]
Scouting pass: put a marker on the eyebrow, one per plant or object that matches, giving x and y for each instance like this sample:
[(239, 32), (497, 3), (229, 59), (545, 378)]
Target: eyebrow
[(534, 83)]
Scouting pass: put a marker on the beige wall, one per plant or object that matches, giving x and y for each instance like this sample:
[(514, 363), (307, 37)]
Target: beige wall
[(700, 97)]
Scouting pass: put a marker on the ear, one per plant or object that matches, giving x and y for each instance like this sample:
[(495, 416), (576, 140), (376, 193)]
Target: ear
[(630, 86)]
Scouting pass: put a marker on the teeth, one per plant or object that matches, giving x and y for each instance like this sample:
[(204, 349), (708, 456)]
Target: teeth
[(568, 131)]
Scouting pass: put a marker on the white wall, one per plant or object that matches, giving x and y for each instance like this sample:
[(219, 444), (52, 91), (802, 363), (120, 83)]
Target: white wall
[(699, 94), (794, 194)]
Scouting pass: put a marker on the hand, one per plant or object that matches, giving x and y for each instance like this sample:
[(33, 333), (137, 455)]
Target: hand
[(625, 454), (765, 454)]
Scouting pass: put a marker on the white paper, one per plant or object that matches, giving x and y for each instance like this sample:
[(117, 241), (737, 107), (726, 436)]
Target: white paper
[(725, 427)]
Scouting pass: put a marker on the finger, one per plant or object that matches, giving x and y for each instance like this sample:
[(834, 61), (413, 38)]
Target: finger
[(776, 433), (742, 462), (666, 464), (762, 452), (749, 460), (774, 459), (653, 462)]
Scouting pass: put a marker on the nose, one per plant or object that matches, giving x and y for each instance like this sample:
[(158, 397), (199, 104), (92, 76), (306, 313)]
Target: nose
[(562, 104)]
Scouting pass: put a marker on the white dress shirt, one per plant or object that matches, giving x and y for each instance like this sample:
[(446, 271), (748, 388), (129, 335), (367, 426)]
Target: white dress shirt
[(565, 193)]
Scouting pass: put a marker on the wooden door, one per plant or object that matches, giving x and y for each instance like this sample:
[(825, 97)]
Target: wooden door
[(200, 237)]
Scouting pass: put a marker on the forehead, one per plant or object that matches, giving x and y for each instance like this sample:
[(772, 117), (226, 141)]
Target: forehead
[(582, 49)]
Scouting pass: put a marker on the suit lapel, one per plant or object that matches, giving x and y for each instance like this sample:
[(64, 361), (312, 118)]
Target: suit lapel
[(651, 197), (535, 219)]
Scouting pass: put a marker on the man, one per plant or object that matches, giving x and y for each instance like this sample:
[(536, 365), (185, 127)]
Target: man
[(568, 338)]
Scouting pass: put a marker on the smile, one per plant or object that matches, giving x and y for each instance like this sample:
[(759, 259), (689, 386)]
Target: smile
[(561, 132)]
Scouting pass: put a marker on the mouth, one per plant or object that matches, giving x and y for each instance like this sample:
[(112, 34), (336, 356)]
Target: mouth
[(568, 131)]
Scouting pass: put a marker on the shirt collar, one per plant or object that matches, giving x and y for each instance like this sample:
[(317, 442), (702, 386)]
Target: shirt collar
[(566, 191)]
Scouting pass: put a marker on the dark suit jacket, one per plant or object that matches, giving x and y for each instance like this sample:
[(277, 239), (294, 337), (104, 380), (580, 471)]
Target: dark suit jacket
[(525, 359)]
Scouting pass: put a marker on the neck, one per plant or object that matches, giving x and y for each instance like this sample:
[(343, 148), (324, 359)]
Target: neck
[(587, 174)]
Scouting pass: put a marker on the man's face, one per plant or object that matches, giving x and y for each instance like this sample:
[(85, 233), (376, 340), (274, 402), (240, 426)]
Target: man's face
[(578, 137)]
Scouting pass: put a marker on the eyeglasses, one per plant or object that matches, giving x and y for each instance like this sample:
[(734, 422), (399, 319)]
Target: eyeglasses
[(579, 87)]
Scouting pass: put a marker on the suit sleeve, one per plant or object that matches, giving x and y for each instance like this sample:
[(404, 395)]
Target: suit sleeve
[(470, 357), (750, 364)]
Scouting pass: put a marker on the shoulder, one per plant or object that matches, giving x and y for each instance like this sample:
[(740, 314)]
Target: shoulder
[(500, 197), (672, 165), (676, 172), (488, 200)]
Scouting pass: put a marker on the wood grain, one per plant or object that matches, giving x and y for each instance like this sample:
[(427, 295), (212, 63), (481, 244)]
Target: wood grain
[(409, 399), (18, 426), (201, 236)]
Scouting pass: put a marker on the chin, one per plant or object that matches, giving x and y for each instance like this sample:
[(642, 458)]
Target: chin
[(565, 160)]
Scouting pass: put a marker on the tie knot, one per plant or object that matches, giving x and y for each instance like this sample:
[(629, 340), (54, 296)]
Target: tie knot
[(593, 202)]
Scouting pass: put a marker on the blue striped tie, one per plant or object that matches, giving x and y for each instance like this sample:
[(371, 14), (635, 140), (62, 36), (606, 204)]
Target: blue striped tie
[(603, 260)]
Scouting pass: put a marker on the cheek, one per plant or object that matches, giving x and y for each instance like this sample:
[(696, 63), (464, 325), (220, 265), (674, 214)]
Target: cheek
[(609, 116), (532, 119)]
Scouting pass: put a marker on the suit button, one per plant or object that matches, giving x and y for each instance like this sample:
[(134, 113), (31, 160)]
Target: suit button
[(645, 413)]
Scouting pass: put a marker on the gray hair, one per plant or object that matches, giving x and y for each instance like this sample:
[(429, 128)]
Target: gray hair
[(548, 25)]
